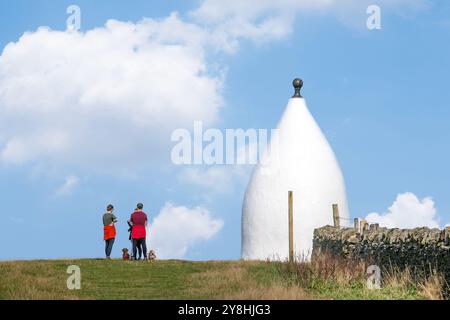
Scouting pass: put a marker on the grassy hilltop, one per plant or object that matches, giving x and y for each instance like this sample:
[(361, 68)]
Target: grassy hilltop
[(175, 279)]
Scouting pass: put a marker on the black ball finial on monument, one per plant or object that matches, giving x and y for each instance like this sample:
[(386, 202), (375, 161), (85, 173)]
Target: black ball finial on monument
[(298, 84)]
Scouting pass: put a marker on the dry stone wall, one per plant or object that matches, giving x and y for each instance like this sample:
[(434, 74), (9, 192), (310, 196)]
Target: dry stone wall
[(420, 249)]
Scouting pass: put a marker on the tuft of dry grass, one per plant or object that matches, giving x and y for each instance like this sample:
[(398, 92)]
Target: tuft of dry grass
[(431, 288), (345, 278), (272, 292), (326, 268), (238, 283)]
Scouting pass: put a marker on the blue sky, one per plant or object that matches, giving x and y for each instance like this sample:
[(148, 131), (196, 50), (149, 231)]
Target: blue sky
[(380, 96)]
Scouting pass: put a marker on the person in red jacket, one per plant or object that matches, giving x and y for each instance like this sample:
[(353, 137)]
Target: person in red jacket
[(138, 221), (109, 230)]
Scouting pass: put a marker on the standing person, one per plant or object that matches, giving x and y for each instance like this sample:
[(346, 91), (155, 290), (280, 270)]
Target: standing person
[(130, 228), (109, 230), (139, 222)]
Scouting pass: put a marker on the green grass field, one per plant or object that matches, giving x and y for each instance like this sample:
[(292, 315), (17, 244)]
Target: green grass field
[(176, 279)]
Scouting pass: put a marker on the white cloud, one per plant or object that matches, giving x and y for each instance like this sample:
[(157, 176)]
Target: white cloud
[(68, 186), (177, 228), (221, 179), (262, 21), (267, 19), (407, 211), (106, 98), (217, 178)]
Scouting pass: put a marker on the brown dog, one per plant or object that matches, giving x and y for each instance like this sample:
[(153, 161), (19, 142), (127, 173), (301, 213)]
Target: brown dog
[(125, 255), (151, 256)]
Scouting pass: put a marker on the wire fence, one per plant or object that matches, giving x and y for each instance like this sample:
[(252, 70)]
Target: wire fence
[(351, 220)]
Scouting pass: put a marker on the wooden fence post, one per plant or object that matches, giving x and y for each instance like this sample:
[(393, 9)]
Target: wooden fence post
[(356, 225), (336, 216), (363, 225), (291, 226)]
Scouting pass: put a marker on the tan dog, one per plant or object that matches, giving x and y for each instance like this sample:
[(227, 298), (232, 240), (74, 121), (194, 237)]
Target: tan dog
[(125, 255), (151, 255)]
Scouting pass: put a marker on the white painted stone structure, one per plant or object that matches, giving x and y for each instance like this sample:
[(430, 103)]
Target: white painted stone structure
[(300, 159)]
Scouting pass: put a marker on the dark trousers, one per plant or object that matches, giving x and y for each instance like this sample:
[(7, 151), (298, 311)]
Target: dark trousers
[(108, 246), (139, 244)]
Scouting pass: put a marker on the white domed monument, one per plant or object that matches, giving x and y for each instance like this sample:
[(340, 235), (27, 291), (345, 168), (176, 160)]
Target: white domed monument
[(298, 158)]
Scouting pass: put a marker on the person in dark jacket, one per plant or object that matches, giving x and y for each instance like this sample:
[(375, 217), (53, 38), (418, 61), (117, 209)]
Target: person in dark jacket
[(130, 228)]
